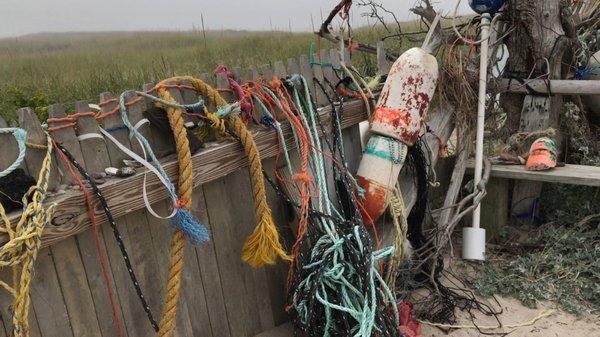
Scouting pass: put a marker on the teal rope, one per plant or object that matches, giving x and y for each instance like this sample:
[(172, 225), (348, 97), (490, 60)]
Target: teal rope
[(21, 137), (182, 219), (311, 58)]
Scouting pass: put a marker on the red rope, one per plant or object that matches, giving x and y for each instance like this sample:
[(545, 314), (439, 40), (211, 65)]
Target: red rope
[(101, 254)]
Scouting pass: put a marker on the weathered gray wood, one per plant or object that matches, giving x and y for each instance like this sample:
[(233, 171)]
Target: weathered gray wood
[(163, 145), (96, 159), (307, 72), (284, 330), (161, 232), (556, 87), (230, 229), (328, 71), (279, 69), (70, 270), (34, 158), (47, 298), (206, 261), (383, 66), (114, 121), (569, 174), (494, 208), (535, 116), (317, 70), (213, 163)]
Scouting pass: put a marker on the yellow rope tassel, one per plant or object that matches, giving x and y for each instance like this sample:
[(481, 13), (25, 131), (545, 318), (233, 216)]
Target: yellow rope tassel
[(262, 247), (24, 243)]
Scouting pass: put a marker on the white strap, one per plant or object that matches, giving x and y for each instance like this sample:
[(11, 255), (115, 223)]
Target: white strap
[(138, 125), (90, 136), (189, 124), (149, 166)]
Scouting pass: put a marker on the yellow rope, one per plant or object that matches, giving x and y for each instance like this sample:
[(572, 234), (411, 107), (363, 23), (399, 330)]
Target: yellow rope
[(23, 245), (263, 246), (398, 211)]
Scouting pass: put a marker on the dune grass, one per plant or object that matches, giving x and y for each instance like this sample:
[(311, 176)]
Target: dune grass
[(43, 69)]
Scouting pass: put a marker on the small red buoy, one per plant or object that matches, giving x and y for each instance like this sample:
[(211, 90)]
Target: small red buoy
[(396, 124)]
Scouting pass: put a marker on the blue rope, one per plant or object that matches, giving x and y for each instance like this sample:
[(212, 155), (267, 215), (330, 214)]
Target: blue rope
[(182, 219), (117, 128), (21, 137)]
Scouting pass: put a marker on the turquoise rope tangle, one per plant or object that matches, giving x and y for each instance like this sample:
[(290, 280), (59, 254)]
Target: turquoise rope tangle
[(183, 220), (21, 137)]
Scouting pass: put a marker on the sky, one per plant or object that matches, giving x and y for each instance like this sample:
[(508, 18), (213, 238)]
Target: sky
[(21, 17)]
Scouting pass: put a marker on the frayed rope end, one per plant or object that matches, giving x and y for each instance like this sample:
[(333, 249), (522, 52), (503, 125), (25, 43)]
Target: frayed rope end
[(262, 247), (193, 230)]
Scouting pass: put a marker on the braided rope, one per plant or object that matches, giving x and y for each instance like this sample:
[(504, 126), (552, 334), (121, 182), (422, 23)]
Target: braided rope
[(24, 243)]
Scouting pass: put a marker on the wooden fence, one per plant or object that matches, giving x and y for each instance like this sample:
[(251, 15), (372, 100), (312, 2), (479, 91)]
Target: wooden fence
[(222, 296)]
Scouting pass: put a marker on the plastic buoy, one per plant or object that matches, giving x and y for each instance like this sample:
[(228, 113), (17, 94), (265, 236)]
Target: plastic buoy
[(396, 124), (486, 6)]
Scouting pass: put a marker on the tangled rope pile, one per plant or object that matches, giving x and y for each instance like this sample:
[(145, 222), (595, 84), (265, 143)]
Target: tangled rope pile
[(20, 252)]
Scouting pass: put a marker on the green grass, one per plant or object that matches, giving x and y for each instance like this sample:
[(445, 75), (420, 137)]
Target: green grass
[(43, 69)]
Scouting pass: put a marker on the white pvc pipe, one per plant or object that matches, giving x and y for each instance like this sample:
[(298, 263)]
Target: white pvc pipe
[(474, 237), (483, 65)]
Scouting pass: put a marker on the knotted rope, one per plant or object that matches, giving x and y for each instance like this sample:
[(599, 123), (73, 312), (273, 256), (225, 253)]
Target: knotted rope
[(24, 243), (263, 246)]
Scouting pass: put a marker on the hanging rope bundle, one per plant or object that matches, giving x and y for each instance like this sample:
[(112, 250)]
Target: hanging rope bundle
[(263, 246), (336, 288), (20, 252)]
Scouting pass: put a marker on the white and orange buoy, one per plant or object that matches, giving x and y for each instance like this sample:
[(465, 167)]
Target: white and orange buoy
[(396, 123)]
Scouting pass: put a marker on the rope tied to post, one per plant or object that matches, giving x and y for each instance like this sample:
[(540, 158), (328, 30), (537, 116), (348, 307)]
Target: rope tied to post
[(20, 252)]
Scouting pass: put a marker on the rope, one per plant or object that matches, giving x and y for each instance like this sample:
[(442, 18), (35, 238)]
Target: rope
[(69, 161), (24, 243), (263, 246), (399, 217), (21, 136)]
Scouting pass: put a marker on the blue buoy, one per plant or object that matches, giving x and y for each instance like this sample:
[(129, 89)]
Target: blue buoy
[(486, 6)]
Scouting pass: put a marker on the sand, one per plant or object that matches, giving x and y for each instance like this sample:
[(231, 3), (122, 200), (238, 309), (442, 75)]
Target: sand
[(559, 324)]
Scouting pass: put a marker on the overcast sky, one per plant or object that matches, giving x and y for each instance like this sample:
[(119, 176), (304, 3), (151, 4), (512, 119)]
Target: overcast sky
[(20, 17)]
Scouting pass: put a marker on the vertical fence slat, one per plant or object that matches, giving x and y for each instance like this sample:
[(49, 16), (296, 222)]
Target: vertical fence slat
[(206, 261), (139, 243), (67, 259), (96, 159), (8, 148), (162, 145), (135, 320), (293, 67), (193, 292), (35, 157)]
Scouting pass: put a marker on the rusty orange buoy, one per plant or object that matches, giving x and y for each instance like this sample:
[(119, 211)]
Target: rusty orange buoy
[(396, 124)]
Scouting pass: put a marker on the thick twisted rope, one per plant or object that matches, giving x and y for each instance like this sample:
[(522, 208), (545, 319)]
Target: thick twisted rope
[(399, 217), (24, 243), (184, 157), (263, 246)]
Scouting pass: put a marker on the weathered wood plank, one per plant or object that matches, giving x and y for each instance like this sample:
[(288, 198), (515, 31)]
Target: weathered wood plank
[(70, 271), (35, 157), (569, 174), (47, 298), (213, 163), (96, 159), (556, 87), (113, 124), (206, 262)]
